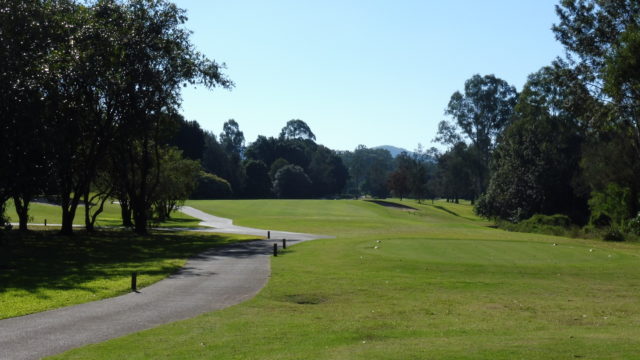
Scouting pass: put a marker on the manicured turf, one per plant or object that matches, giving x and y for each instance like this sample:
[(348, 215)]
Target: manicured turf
[(41, 270), (39, 212), (441, 284)]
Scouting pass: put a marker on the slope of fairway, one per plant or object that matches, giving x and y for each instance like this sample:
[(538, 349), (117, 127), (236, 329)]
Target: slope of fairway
[(432, 284)]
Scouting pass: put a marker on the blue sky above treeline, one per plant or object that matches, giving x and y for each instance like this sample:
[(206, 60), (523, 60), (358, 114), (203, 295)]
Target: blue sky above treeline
[(359, 72)]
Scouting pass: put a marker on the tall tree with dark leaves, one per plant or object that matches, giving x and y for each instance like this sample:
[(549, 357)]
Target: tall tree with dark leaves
[(189, 137), (480, 115), (232, 141), (297, 129), (26, 38), (158, 58), (602, 40)]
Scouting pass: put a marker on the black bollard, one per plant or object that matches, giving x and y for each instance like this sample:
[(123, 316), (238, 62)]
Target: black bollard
[(45, 222), (268, 234), (134, 280), (284, 243), (275, 249)]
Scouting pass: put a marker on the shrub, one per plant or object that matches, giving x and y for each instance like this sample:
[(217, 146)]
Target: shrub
[(211, 186), (613, 235), (291, 182), (543, 224), (550, 220), (611, 203)]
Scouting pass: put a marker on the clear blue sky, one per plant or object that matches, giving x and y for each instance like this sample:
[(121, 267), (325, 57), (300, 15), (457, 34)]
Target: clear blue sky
[(359, 72)]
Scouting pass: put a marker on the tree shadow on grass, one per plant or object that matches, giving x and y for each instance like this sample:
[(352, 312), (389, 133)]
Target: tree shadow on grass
[(37, 261)]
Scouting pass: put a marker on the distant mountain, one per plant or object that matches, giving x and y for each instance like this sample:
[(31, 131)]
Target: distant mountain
[(394, 150)]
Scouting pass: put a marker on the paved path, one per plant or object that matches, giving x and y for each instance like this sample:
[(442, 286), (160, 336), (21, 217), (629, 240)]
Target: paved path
[(213, 280)]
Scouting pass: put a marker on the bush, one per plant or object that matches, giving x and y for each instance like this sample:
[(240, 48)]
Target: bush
[(558, 224), (634, 225), (613, 235), (291, 182), (610, 205), (550, 220), (211, 186)]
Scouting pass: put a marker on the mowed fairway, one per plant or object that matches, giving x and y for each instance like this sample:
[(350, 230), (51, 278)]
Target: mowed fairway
[(441, 284)]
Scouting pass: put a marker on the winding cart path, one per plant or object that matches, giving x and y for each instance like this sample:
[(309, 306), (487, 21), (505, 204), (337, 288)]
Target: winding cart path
[(213, 280)]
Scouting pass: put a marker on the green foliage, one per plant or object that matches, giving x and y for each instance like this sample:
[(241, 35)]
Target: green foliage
[(480, 114), (613, 234), (211, 186), (327, 172), (369, 171), (231, 138), (258, 183), (458, 173), (550, 220), (537, 160), (93, 80), (291, 182), (278, 164), (612, 202), (189, 138), (177, 180), (634, 225), (411, 176), (558, 224), (297, 129)]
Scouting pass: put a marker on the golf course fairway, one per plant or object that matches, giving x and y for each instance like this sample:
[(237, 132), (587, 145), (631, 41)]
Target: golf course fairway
[(434, 283)]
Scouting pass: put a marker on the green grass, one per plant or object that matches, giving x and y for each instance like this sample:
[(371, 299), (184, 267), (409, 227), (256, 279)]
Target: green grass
[(41, 270), (39, 212), (439, 286)]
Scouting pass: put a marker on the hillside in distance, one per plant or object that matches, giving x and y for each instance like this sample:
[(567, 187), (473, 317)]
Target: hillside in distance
[(394, 150)]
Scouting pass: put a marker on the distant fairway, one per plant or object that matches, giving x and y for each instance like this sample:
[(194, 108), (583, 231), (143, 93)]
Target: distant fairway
[(437, 283)]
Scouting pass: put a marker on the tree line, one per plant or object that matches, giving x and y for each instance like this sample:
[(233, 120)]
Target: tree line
[(569, 142), (90, 96), (90, 93)]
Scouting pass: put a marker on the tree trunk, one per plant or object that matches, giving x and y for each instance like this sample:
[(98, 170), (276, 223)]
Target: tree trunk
[(67, 221), (87, 213), (140, 220), (22, 209), (633, 201), (125, 211)]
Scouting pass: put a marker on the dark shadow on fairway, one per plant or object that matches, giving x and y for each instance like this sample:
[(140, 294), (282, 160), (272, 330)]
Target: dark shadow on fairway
[(446, 210), (392, 205), (42, 260)]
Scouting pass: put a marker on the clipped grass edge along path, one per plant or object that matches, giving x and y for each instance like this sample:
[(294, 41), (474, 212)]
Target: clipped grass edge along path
[(213, 280)]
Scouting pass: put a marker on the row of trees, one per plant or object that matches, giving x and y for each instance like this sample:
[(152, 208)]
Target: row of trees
[(569, 143), (89, 99), (289, 166), (90, 95)]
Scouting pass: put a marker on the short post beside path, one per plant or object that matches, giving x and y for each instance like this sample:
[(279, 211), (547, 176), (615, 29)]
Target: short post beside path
[(134, 281)]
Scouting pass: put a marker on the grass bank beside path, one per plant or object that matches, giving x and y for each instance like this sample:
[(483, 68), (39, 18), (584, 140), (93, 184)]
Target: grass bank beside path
[(41, 270), (394, 284), (111, 216)]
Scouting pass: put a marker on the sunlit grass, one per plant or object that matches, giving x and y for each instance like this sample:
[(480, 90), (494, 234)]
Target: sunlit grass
[(41, 270), (428, 284), (39, 213)]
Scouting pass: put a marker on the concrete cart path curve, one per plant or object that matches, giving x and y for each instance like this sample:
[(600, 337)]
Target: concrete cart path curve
[(213, 280), (224, 225)]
